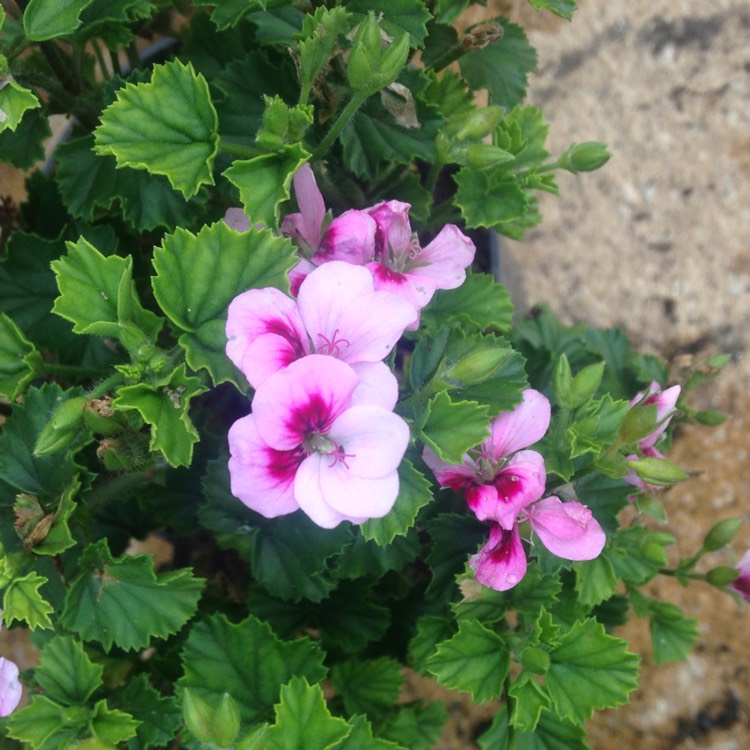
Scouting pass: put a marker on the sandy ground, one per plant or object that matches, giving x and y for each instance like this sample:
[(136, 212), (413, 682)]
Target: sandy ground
[(656, 243)]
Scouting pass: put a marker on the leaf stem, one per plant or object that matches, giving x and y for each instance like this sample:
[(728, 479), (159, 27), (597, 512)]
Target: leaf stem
[(239, 149), (341, 122)]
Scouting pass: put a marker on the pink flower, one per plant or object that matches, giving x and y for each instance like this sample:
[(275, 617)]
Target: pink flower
[(742, 584), (337, 312), (567, 530), (665, 408), (236, 218), (498, 479), (10, 688), (403, 267), (350, 237), (313, 442)]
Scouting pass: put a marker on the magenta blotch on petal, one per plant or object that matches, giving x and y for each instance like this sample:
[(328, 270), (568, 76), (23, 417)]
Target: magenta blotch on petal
[(742, 584), (501, 563)]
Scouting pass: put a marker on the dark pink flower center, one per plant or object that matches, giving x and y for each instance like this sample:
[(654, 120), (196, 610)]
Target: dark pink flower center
[(314, 416)]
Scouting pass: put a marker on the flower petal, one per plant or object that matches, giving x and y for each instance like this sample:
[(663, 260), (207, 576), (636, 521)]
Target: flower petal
[(742, 584), (456, 476), (309, 495), (304, 398), (418, 290), (377, 385), (305, 227), (501, 563), (346, 318), (567, 530), (236, 218), (394, 236), (261, 477), (350, 238), (11, 689), (358, 497), (521, 427), (264, 333), (445, 259)]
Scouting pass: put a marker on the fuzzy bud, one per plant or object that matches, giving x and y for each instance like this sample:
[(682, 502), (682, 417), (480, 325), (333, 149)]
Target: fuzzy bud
[(584, 157), (62, 428)]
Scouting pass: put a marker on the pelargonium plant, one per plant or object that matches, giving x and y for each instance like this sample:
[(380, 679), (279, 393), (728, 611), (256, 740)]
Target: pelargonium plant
[(248, 314)]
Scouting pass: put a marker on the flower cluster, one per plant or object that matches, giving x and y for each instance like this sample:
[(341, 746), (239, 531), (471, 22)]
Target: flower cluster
[(503, 483), (322, 435)]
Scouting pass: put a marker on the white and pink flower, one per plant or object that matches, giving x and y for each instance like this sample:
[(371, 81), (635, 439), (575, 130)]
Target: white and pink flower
[(314, 441), (11, 689), (741, 584), (337, 313)]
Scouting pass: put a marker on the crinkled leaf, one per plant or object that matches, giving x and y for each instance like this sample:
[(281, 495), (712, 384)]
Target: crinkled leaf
[(481, 603), (165, 407), (264, 182), (47, 725), (414, 492), (534, 592), (23, 602), (529, 700), (303, 721), (452, 427), (431, 630), (367, 558), (501, 67), (47, 19), (562, 8), (454, 537), (350, 619), (596, 580), (59, 538), (636, 555), (197, 302), (551, 733), (590, 670), (15, 100), (24, 146), (487, 199), (167, 126), (98, 296), (497, 737), (373, 136), (368, 686), (416, 726), (45, 477), (247, 661), (20, 362), (227, 13), (109, 20), (90, 184), (475, 660), (398, 16), (480, 301), (673, 634), (360, 738), (111, 725), (160, 716), (66, 673), (157, 606)]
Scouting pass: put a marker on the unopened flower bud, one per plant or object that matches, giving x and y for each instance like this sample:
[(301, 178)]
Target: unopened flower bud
[(198, 716), (721, 534), (584, 157), (722, 576), (101, 418), (370, 68), (476, 366), (486, 156), (657, 471), (480, 123), (62, 428), (226, 722)]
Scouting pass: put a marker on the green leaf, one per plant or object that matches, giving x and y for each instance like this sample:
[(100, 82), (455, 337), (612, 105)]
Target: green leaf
[(489, 199), (551, 733), (264, 182), (228, 13), (416, 726), (452, 427), (45, 477), (197, 302), (673, 634), (46, 725), (529, 700), (290, 556), (303, 721), (109, 20), (479, 301), (590, 670), (159, 716), (165, 406), (368, 686), (66, 672), (15, 100), (247, 661), (23, 602), (497, 737), (90, 184), (414, 492), (475, 660), (360, 738), (636, 555), (167, 126), (20, 362), (596, 580), (374, 136), (431, 630), (47, 19), (59, 538), (398, 16), (501, 67), (350, 618), (110, 725), (158, 606), (98, 296), (24, 146), (454, 537), (366, 558), (562, 8)]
